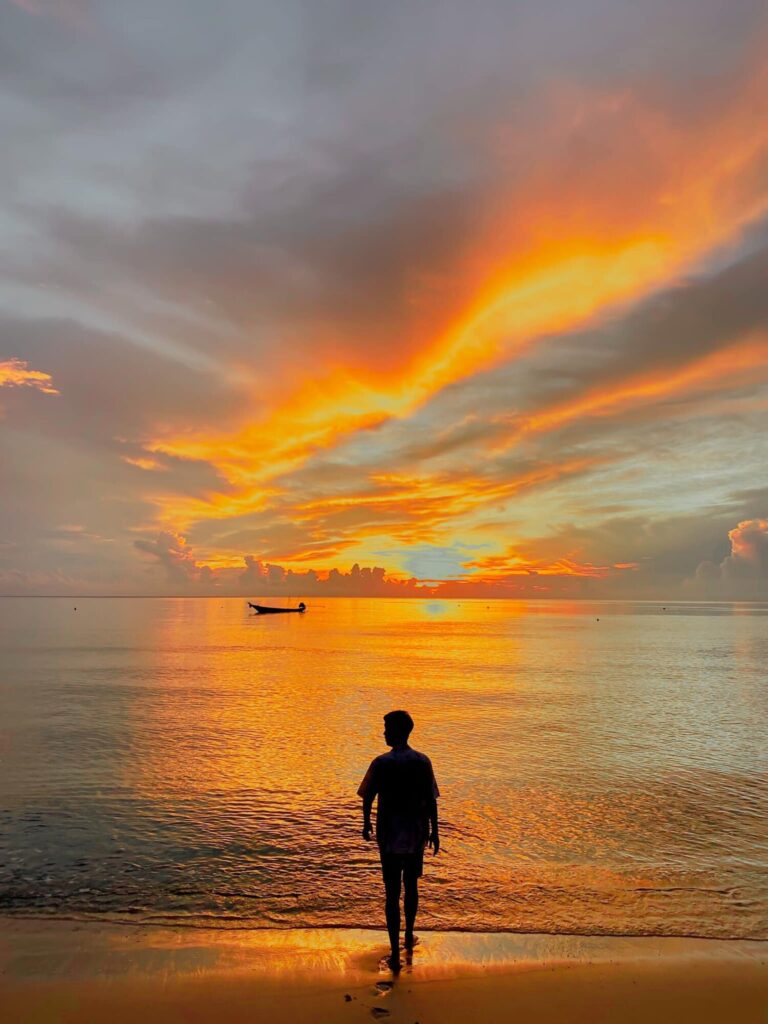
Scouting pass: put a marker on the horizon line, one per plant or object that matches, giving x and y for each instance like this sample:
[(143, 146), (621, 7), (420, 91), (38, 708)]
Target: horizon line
[(379, 597)]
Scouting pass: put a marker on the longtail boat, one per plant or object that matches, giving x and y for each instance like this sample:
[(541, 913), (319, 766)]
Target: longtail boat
[(265, 609)]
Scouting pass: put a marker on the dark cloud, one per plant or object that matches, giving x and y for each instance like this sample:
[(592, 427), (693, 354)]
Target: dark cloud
[(354, 270), (348, 232)]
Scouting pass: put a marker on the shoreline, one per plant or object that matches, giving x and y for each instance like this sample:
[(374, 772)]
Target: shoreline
[(226, 926), (64, 971)]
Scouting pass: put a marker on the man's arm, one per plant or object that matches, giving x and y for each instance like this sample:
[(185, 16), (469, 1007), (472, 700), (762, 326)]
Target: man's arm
[(434, 835), (367, 790), (367, 805)]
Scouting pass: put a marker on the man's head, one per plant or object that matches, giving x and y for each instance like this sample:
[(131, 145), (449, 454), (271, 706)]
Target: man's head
[(398, 726)]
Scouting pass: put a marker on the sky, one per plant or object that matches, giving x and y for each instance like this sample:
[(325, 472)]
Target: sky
[(405, 298)]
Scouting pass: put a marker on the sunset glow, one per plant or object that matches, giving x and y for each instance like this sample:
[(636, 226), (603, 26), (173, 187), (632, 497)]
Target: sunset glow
[(527, 348)]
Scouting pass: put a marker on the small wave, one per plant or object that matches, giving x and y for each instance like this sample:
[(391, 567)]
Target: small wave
[(215, 922)]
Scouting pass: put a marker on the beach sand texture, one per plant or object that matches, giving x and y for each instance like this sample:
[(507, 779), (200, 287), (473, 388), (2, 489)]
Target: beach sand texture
[(74, 973)]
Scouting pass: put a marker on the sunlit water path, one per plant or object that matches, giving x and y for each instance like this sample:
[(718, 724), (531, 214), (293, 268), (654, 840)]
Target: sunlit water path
[(603, 767)]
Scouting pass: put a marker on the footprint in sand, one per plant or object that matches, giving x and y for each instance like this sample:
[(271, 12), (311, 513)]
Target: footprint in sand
[(384, 986), (379, 1011)]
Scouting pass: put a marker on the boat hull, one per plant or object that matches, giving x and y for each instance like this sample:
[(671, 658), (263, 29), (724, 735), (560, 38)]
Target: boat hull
[(263, 609)]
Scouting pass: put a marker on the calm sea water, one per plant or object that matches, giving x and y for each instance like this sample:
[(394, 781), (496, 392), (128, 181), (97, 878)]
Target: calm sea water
[(604, 768)]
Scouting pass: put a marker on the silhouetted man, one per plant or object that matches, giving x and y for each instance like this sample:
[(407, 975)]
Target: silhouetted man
[(406, 821)]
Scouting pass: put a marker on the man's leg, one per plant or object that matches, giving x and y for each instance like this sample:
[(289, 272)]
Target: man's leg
[(392, 876), (410, 904)]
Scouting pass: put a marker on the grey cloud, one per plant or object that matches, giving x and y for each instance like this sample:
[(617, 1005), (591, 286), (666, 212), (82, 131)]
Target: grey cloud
[(178, 561), (111, 56), (261, 578), (360, 279), (677, 556), (743, 573), (109, 387), (62, 457), (749, 503)]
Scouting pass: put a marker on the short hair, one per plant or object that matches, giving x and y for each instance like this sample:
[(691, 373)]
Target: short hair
[(399, 722)]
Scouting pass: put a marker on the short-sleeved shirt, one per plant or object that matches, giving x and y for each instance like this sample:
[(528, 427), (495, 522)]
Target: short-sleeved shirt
[(405, 784)]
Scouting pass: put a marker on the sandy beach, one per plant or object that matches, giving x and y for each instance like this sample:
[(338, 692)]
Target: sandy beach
[(75, 972)]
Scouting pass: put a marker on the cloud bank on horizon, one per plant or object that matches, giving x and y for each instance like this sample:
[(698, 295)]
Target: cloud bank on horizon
[(386, 299)]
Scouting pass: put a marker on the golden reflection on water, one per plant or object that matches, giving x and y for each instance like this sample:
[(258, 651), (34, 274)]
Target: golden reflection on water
[(295, 704), (603, 768)]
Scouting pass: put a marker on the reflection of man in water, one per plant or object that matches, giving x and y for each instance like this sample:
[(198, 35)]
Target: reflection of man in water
[(406, 821)]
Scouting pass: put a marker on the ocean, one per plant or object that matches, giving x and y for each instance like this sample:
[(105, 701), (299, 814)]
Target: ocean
[(603, 767)]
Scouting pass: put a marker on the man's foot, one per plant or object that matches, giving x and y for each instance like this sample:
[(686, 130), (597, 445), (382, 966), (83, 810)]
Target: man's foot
[(393, 962), (410, 941)]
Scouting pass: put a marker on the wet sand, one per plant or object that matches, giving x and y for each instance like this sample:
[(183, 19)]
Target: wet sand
[(69, 972)]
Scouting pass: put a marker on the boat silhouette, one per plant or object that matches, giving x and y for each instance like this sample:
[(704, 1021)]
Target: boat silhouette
[(265, 609)]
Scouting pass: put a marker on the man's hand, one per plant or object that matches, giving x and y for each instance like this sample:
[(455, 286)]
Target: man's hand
[(367, 832), (434, 842)]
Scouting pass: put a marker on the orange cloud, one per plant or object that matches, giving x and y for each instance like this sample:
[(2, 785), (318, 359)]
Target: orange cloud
[(749, 543), (507, 575), (412, 508), (15, 373), (143, 462), (549, 255), (743, 574), (575, 258), (516, 562), (564, 290)]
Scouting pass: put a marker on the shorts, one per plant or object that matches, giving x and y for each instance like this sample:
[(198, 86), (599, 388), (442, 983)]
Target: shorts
[(406, 865)]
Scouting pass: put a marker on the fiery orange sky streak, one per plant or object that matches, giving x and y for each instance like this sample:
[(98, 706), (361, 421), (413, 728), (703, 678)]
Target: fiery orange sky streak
[(465, 493), (556, 296), (465, 322), (557, 286), (432, 501), (559, 294)]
